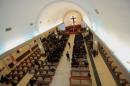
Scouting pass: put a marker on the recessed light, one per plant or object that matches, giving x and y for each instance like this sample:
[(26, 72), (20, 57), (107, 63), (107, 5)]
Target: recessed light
[(96, 11), (31, 24), (8, 29)]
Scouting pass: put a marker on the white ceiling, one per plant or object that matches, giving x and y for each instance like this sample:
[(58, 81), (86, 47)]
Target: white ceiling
[(54, 14), (111, 24)]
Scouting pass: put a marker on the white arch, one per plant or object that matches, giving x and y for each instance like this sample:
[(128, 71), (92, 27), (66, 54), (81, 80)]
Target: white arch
[(68, 21), (53, 13)]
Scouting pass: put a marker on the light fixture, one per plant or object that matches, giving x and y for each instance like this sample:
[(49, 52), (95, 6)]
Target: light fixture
[(8, 29)]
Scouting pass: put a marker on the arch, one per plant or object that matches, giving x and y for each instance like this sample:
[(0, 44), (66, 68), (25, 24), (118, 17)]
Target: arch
[(67, 21), (46, 20)]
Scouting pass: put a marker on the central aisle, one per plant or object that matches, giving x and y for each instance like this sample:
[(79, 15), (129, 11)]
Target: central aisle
[(62, 74)]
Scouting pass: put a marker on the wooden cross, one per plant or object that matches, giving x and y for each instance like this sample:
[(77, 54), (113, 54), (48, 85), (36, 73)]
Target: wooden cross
[(73, 19)]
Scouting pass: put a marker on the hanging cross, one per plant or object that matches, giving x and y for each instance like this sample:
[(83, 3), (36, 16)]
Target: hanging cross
[(73, 18)]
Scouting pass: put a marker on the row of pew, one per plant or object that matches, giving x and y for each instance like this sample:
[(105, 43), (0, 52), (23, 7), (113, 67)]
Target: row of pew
[(120, 77), (44, 71), (51, 42), (21, 69), (80, 73)]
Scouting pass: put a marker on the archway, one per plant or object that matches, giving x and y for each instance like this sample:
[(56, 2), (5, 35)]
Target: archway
[(72, 21), (53, 14), (72, 18)]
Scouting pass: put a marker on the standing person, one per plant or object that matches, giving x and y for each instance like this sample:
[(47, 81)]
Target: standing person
[(94, 52), (69, 44), (68, 56)]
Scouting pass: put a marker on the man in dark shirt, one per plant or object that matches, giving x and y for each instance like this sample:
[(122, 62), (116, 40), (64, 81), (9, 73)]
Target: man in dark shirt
[(68, 56), (94, 53)]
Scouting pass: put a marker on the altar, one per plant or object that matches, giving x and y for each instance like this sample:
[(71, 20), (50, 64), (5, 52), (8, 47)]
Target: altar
[(73, 29)]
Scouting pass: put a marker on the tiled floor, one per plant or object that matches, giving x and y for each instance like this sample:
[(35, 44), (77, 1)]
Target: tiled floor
[(62, 75)]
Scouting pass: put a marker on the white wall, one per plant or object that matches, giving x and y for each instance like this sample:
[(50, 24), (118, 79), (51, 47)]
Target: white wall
[(18, 15), (53, 14), (115, 16), (113, 27)]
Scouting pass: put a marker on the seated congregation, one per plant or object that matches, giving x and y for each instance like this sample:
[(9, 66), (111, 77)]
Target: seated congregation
[(44, 75), (80, 74), (31, 63), (20, 70)]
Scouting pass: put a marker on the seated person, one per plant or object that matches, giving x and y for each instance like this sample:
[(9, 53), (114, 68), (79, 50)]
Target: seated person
[(32, 81), (25, 69), (47, 79), (15, 72), (32, 71)]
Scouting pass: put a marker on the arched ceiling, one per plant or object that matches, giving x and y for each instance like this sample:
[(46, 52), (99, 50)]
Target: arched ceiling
[(53, 14), (108, 19)]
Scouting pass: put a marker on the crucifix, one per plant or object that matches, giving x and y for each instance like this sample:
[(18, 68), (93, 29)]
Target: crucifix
[(73, 19)]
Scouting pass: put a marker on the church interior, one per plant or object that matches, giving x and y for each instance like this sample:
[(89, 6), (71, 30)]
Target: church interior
[(64, 43)]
